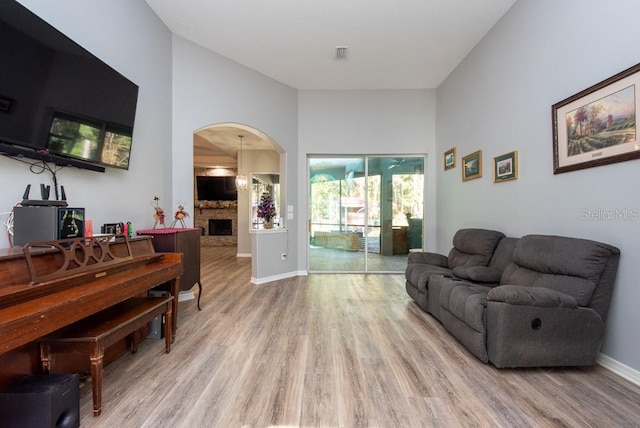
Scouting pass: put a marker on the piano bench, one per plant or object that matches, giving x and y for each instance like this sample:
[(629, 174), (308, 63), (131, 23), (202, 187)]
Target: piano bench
[(90, 336)]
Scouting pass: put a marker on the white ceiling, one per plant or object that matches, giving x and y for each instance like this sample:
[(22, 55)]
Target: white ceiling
[(392, 44)]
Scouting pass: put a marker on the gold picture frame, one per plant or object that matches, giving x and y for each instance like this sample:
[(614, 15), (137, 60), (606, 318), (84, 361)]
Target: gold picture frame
[(472, 166)]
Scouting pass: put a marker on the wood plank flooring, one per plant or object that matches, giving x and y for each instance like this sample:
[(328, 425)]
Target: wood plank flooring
[(335, 350)]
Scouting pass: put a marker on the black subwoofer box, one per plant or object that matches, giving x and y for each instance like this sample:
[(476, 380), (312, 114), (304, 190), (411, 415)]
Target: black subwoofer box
[(41, 401), (35, 224)]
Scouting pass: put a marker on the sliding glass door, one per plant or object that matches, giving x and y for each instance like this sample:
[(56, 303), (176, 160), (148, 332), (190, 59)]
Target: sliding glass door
[(365, 212)]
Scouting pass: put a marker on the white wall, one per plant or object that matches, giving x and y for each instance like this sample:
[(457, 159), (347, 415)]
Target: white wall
[(209, 89), (499, 99), (130, 38), (367, 122)]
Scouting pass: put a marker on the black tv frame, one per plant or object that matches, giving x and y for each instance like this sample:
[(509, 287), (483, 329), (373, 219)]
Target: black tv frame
[(17, 17), (18, 151), (201, 183)]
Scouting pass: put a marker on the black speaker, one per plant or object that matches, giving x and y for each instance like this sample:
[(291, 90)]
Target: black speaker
[(41, 401), (34, 224)]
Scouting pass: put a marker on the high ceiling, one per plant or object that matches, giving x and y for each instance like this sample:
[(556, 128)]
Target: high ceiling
[(391, 44)]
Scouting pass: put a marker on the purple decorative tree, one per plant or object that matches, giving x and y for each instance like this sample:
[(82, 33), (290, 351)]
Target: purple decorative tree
[(266, 208)]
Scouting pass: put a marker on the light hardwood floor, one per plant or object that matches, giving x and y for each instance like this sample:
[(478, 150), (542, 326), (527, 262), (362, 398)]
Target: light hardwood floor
[(335, 350)]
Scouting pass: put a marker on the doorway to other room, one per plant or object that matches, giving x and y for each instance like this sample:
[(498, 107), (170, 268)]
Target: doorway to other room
[(365, 212)]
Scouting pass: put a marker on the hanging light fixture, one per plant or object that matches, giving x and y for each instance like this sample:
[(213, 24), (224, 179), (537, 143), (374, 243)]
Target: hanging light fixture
[(241, 179)]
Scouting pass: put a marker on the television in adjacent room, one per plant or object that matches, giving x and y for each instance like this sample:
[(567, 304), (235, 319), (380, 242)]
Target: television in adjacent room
[(216, 188), (57, 98)]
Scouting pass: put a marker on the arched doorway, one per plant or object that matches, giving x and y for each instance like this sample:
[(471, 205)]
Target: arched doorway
[(216, 151)]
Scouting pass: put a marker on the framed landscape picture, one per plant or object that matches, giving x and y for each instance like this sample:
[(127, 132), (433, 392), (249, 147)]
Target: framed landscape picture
[(450, 159), (472, 166), (599, 125), (505, 167)]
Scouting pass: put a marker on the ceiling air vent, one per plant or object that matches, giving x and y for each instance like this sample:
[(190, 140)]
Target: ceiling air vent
[(341, 52)]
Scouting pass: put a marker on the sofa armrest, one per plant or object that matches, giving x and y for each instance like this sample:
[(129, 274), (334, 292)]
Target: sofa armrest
[(531, 296), (482, 274), (428, 258)]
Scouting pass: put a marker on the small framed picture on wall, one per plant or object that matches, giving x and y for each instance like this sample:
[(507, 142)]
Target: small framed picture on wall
[(450, 159), (505, 167), (472, 166)]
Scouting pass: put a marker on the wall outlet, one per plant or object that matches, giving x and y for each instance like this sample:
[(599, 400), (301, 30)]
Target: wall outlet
[(283, 256)]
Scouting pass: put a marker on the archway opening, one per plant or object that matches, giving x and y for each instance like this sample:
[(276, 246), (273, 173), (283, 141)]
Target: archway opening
[(216, 151)]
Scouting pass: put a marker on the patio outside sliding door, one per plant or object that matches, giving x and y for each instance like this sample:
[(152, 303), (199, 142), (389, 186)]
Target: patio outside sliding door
[(365, 212)]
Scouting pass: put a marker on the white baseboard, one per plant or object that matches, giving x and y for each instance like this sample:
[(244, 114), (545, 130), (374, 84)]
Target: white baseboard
[(629, 373), (264, 280), (243, 255)]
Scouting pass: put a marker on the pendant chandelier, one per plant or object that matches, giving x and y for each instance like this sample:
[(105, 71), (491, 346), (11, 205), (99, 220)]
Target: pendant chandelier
[(241, 179)]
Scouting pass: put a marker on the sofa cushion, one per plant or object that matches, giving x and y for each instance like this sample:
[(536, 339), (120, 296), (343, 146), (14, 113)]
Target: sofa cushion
[(473, 247)]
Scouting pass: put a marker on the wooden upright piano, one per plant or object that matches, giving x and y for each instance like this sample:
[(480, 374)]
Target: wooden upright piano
[(29, 311)]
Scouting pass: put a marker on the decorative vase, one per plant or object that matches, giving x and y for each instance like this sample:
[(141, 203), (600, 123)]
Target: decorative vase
[(268, 224)]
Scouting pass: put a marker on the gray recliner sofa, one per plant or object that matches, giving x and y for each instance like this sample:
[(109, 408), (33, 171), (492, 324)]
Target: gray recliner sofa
[(547, 309)]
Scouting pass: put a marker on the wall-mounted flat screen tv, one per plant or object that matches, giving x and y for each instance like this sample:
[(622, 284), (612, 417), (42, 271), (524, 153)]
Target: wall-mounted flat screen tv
[(215, 188), (56, 96)]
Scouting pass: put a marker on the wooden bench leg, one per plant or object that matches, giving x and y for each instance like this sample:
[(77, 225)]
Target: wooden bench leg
[(134, 343), (45, 357), (97, 357)]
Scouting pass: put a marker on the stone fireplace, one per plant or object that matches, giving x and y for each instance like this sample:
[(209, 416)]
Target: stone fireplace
[(219, 225)]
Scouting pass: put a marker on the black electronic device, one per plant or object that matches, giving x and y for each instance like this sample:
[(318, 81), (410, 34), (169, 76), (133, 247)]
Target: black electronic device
[(41, 401), (18, 150), (216, 188), (36, 223), (25, 195), (44, 191), (58, 102), (112, 228), (42, 203), (45, 201)]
